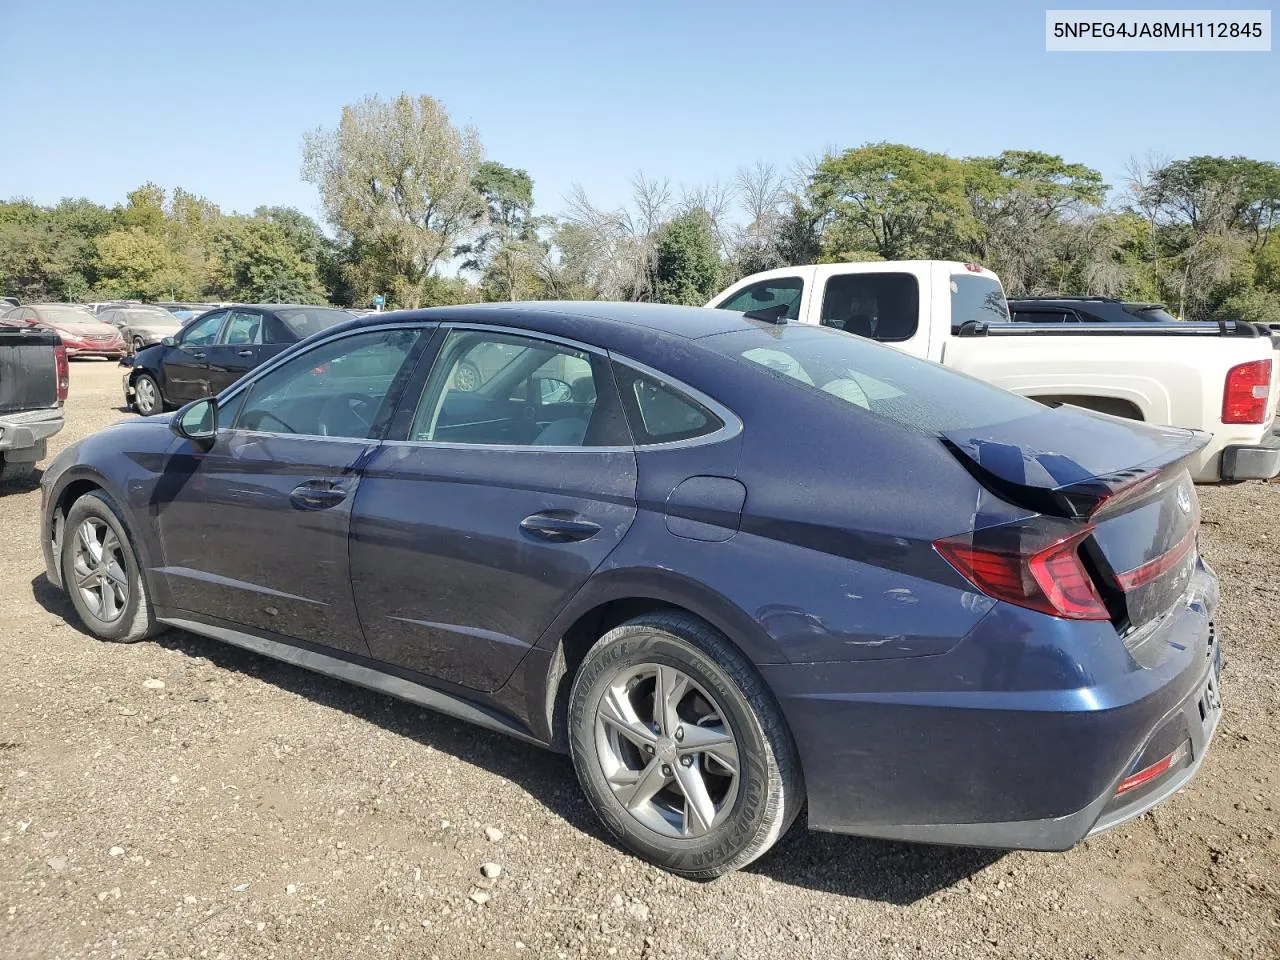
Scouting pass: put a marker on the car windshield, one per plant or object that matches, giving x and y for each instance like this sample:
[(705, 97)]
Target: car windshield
[(67, 315), (303, 322), (882, 380), (155, 318)]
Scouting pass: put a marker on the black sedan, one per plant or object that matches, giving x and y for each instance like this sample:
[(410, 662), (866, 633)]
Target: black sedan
[(216, 349), (735, 567)]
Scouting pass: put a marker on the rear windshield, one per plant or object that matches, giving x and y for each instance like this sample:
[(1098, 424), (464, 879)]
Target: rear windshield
[(975, 297), (883, 380), (1158, 314), (303, 323)]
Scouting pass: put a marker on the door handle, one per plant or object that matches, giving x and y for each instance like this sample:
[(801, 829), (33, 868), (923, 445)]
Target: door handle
[(559, 527), (317, 495), (244, 353), (197, 354)]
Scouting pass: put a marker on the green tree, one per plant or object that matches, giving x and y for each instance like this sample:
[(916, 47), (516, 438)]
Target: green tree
[(892, 200), (686, 262), (396, 179), (259, 261), (134, 263), (508, 252)]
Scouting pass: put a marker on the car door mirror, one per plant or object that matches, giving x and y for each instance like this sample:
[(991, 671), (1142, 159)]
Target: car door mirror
[(169, 341), (197, 421), (554, 390)]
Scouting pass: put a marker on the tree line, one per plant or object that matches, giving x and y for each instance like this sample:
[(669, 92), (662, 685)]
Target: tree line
[(417, 213)]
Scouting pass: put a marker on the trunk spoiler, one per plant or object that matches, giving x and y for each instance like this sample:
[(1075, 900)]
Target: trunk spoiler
[(1070, 462)]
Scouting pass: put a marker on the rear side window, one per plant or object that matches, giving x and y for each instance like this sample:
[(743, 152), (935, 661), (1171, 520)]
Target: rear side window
[(878, 306), (979, 298), (1044, 316), (887, 382), (777, 292), (659, 412)]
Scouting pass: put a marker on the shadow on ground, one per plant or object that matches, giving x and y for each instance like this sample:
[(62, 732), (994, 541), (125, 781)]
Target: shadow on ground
[(897, 873)]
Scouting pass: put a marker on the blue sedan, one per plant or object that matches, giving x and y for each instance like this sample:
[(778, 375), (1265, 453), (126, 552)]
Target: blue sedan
[(736, 568)]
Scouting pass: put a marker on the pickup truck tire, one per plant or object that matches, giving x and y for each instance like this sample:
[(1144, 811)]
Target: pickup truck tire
[(680, 747), (147, 398), (101, 572), (16, 471)]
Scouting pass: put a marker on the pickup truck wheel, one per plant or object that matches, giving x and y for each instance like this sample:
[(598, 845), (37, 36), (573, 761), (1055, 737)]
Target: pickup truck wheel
[(680, 747), (101, 573), (147, 399), (16, 471)]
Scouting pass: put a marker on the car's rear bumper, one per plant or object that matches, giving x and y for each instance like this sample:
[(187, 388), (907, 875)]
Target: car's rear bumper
[(1254, 462), (916, 750), (23, 435)]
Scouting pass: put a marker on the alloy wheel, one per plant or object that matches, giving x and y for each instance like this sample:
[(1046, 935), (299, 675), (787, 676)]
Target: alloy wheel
[(145, 390), (667, 753), (99, 570)]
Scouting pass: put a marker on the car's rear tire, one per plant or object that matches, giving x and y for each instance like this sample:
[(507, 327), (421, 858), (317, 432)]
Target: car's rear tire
[(147, 399), (101, 572), (16, 471), (702, 787)]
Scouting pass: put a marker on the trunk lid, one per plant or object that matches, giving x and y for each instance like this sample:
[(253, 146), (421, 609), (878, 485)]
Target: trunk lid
[(28, 369), (1126, 482)]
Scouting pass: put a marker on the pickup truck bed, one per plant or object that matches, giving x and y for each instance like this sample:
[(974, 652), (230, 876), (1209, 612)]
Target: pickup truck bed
[(33, 385)]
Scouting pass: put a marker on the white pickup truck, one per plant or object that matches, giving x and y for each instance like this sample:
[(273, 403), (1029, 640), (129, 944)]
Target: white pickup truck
[(1216, 377)]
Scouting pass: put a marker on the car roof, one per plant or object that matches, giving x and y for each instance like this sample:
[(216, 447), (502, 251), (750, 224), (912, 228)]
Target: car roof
[(624, 319)]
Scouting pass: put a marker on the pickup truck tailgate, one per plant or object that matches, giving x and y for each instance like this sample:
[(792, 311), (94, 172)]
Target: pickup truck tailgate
[(28, 369)]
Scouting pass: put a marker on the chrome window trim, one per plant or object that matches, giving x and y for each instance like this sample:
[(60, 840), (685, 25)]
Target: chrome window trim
[(732, 424)]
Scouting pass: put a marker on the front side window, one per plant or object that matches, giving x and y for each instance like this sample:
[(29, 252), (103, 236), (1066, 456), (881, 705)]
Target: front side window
[(777, 292), (334, 390), (244, 328), (878, 306), (659, 412), (204, 331), (502, 390)]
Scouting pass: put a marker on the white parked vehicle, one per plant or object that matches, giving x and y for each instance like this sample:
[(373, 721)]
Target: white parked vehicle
[(1216, 377)]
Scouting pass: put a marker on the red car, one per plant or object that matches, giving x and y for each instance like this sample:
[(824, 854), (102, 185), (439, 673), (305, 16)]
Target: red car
[(83, 334)]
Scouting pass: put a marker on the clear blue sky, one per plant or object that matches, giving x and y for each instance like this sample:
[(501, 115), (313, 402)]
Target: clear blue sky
[(98, 97)]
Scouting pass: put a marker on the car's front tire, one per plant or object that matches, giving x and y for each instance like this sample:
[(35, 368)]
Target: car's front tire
[(101, 572), (138, 345), (680, 747), (147, 399)]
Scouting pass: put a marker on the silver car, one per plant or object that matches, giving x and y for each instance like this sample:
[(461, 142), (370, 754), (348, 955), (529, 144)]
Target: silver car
[(141, 325)]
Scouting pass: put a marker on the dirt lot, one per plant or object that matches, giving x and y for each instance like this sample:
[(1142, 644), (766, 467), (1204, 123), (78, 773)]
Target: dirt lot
[(181, 798)]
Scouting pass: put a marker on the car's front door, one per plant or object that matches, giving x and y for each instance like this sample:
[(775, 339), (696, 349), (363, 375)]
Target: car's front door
[(254, 529), (238, 348), (510, 486), (186, 364)]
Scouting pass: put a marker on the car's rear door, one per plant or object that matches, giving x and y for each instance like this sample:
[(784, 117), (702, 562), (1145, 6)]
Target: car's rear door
[(255, 528), (473, 530), (185, 365), (238, 349)]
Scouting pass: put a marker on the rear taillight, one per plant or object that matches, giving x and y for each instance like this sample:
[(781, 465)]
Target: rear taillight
[(1048, 577), (62, 371), (1244, 398)]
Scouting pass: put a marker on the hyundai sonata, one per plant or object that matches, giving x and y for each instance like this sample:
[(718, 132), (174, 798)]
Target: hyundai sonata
[(736, 568)]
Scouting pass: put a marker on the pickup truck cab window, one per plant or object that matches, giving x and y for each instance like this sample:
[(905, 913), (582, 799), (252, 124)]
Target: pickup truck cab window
[(878, 306), (774, 292), (976, 297)]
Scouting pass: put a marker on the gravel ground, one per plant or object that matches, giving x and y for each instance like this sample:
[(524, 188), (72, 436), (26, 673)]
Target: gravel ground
[(181, 798)]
